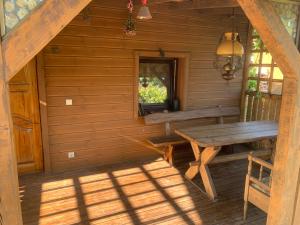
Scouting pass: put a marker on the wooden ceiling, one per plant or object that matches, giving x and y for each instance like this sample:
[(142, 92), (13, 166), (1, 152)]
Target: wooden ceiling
[(206, 4), (201, 4)]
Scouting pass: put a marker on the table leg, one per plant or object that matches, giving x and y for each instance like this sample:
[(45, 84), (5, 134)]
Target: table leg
[(201, 165), (207, 156), (194, 167)]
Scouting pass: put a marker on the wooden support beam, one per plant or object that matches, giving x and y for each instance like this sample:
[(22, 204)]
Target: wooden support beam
[(10, 209), (166, 1), (35, 32), (205, 4), (287, 160)]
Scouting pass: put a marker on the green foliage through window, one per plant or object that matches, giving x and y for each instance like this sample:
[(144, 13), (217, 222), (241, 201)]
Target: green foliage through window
[(154, 93)]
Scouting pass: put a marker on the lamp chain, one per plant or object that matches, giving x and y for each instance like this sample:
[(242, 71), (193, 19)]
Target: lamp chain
[(233, 35)]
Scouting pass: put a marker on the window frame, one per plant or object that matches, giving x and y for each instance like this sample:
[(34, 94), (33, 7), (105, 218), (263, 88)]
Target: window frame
[(248, 65), (183, 65), (171, 89)]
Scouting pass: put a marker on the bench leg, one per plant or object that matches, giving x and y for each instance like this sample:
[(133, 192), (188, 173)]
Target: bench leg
[(169, 155)]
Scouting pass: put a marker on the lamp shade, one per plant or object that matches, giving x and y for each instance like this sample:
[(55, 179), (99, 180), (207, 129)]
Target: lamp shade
[(144, 13), (230, 46)]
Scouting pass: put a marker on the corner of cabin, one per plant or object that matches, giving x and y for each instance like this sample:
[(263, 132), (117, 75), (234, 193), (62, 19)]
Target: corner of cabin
[(99, 96), (91, 62)]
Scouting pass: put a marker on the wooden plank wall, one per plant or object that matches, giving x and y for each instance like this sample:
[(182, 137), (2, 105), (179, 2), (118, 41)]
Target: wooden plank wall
[(92, 62)]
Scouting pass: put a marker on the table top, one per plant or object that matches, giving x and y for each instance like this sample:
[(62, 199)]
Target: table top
[(229, 133)]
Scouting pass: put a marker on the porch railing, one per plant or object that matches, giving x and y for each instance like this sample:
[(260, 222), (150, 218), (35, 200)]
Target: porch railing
[(260, 106), (15, 11)]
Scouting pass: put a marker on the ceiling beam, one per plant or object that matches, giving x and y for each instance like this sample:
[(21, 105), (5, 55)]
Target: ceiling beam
[(35, 32), (288, 1), (167, 1), (206, 4), (286, 171)]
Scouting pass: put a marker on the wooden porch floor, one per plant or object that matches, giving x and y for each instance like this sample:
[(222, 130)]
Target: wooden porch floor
[(138, 193)]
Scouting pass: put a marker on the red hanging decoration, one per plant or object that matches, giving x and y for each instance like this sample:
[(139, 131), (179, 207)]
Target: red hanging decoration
[(144, 2), (130, 23), (130, 6)]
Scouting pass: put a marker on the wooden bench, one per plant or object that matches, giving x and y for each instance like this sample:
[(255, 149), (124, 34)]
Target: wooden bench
[(170, 140)]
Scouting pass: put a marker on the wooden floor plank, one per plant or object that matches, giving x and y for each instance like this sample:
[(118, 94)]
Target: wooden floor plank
[(144, 193)]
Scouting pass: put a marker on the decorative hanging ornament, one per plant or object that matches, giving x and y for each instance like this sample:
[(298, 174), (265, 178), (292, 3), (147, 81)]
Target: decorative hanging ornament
[(130, 29), (229, 53), (144, 12)]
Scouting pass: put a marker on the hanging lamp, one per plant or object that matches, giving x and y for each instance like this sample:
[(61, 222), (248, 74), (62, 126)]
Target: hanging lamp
[(229, 52), (144, 12), (230, 45)]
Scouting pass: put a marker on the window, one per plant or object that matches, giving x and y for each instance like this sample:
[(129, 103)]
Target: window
[(262, 73), (263, 78), (157, 85)]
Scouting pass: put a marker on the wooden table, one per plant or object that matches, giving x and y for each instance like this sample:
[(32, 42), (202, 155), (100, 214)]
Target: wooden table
[(207, 141)]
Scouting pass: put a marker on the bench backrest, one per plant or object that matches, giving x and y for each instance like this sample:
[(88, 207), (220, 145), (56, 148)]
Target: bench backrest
[(215, 112)]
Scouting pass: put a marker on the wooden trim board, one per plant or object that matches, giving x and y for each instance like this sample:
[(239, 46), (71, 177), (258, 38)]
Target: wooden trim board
[(217, 112), (43, 111)]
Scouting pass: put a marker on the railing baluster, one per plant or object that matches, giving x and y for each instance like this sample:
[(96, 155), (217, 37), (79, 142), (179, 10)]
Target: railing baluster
[(260, 172), (265, 107), (2, 18)]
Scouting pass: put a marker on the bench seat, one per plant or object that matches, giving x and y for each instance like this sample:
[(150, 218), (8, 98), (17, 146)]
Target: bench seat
[(164, 141), (168, 142)]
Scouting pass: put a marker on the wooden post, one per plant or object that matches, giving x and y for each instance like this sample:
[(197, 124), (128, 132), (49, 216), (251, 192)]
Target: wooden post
[(285, 180), (10, 208)]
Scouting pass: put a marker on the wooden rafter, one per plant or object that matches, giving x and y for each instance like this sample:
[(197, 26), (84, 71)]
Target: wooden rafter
[(167, 1), (36, 31), (204, 4), (288, 1), (287, 161)]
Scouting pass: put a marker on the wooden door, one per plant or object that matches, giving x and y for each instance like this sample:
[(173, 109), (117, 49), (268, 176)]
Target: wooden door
[(26, 119)]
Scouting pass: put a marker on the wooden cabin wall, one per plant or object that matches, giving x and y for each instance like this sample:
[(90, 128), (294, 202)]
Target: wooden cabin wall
[(92, 62)]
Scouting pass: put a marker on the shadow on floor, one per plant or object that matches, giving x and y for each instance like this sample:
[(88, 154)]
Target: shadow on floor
[(136, 193)]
